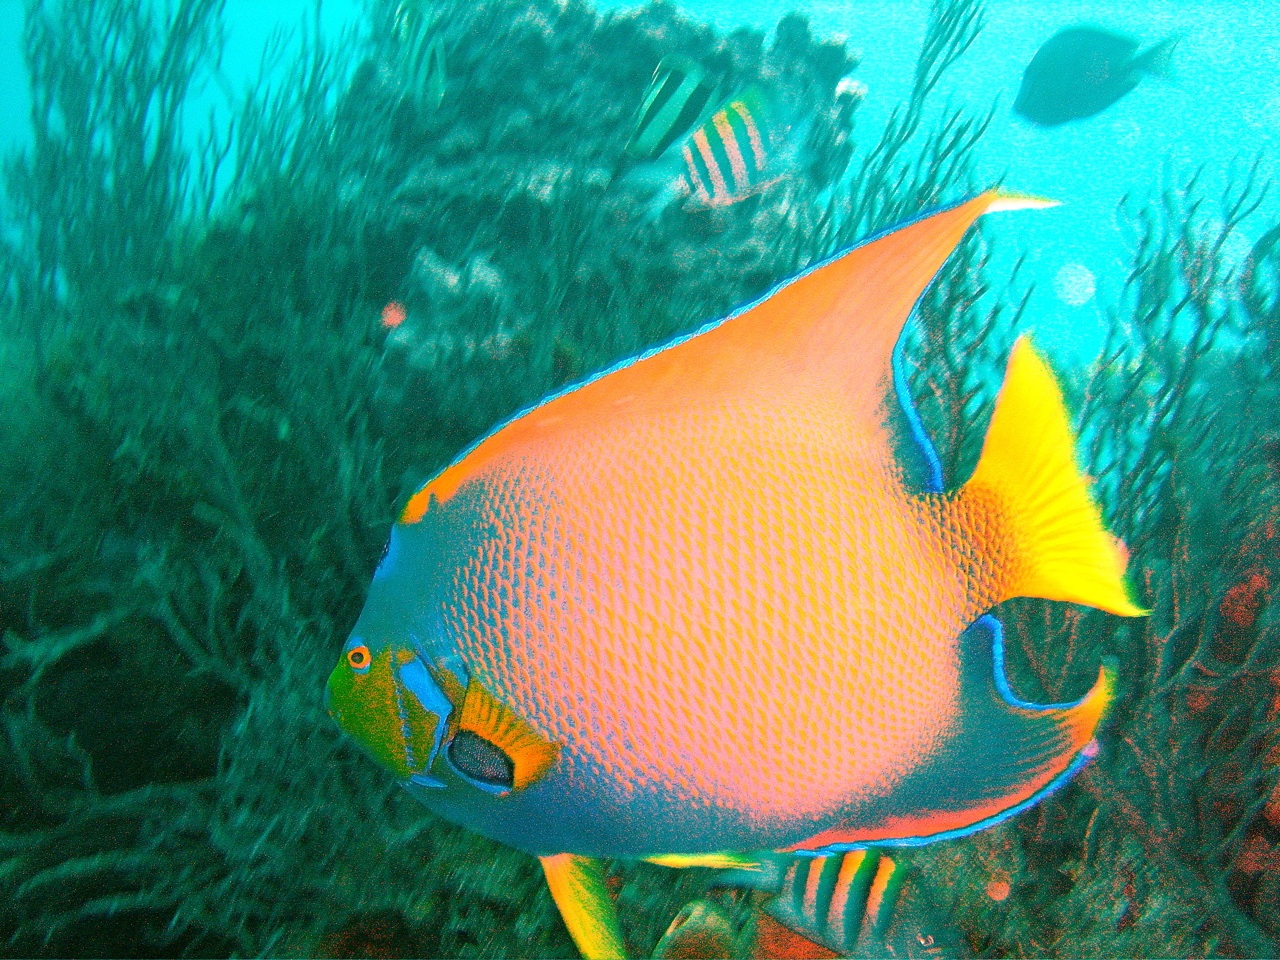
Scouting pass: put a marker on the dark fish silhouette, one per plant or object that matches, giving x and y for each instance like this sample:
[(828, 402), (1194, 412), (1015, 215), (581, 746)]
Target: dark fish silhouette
[(1082, 71), (678, 97)]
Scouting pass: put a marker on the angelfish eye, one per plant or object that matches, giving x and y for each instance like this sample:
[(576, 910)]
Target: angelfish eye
[(359, 658)]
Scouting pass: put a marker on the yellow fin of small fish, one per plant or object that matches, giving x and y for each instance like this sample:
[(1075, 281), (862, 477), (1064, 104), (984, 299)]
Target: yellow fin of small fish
[(882, 896), (530, 753), (578, 888), (716, 861), (1029, 465)]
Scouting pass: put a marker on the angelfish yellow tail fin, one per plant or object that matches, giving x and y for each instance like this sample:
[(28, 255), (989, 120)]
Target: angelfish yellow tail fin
[(1060, 549), (578, 888)]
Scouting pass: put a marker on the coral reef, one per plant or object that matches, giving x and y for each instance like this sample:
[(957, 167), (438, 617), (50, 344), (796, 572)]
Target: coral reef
[(208, 429)]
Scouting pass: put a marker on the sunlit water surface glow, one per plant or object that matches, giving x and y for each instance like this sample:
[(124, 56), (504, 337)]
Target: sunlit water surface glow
[(1222, 106)]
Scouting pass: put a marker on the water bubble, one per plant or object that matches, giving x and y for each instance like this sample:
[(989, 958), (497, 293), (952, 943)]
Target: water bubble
[(1074, 284)]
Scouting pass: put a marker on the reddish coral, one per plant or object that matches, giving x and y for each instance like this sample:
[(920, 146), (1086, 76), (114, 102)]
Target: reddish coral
[(393, 314), (1244, 601), (1256, 856), (777, 942)]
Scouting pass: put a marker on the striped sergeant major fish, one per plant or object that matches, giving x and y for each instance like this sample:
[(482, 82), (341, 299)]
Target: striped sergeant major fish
[(835, 898), (682, 148), (859, 903), (729, 157), (679, 95)]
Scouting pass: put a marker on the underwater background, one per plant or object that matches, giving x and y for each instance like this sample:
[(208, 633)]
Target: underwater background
[(232, 346)]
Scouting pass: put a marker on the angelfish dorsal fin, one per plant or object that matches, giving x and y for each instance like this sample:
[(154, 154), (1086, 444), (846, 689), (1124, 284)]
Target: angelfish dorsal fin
[(826, 335), (835, 326)]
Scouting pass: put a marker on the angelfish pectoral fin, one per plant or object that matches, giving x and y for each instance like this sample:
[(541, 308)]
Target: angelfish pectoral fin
[(496, 747), (578, 888)]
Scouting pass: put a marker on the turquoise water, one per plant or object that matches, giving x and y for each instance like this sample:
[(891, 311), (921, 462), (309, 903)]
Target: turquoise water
[(1222, 105)]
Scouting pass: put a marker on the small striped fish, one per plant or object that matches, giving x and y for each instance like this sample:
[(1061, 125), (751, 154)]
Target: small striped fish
[(728, 157), (678, 96), (860, 903), (836, 900)]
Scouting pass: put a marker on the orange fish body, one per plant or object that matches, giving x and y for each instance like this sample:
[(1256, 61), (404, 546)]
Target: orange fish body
[(704, 602)]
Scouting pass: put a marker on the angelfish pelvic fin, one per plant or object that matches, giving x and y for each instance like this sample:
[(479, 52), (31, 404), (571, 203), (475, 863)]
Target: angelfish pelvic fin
[(578, 888)]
